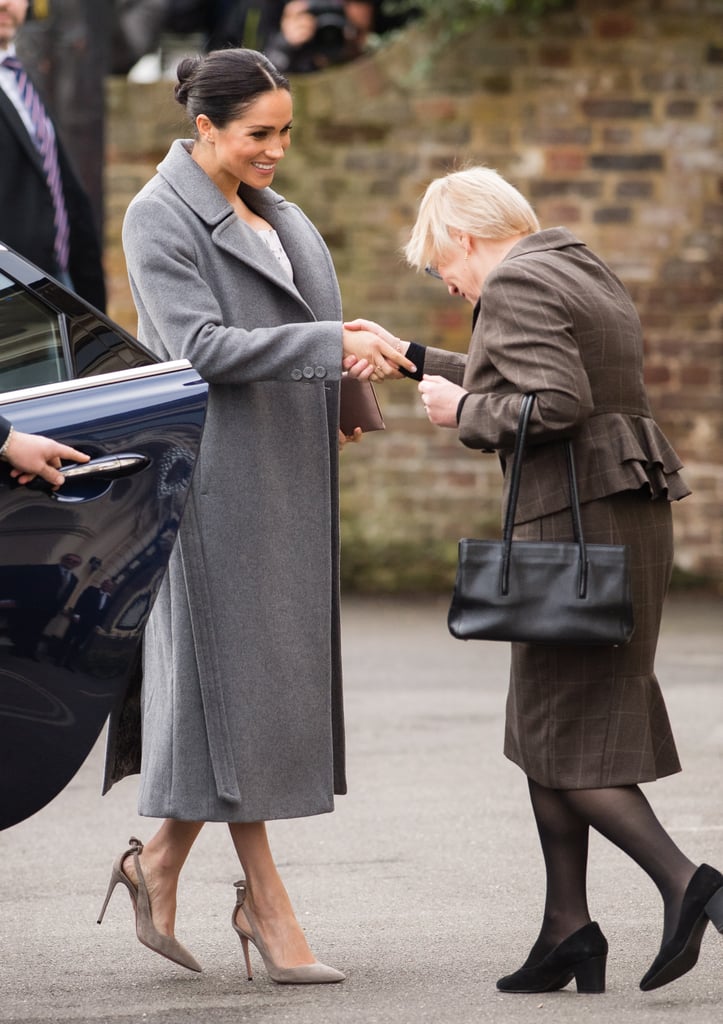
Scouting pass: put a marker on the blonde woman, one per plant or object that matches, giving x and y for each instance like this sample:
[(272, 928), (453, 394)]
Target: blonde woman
[(585, 725)]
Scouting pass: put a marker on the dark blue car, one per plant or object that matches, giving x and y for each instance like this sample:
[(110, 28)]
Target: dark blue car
[(80, 568)]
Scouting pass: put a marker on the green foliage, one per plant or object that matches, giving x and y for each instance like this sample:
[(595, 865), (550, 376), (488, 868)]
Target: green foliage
[(455, 16), (454, 10), (447, 22)]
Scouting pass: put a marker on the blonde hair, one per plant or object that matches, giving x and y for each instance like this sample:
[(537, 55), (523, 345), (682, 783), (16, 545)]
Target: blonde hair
[(477, 202)]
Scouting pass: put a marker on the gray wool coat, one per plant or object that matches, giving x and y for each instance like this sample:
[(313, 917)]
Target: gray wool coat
[(242, 701)]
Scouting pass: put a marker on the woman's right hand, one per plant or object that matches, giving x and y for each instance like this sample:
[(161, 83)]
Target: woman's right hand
[(33, 455), (368, 340)]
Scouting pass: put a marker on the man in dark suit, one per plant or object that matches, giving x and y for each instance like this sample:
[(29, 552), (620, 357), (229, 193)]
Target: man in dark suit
[(44, 212), (89, 611)]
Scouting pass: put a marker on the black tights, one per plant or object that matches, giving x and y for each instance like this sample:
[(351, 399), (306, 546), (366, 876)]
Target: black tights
[(621, 814)]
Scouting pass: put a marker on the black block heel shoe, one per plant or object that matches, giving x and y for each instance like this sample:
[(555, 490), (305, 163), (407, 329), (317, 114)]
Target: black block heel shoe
[(582, 956), (703, 902)]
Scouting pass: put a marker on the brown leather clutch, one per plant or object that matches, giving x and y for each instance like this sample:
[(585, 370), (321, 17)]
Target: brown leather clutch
[(359, 406)]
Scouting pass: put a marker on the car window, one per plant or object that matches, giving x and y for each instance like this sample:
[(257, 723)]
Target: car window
[(97, 347), (31, 349), (31, 338)]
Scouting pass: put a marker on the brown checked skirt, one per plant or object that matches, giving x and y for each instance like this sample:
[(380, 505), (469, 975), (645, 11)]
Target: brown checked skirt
[(588, 717)]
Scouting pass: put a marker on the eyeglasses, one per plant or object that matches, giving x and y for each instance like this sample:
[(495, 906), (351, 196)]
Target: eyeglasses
[(429, 269)]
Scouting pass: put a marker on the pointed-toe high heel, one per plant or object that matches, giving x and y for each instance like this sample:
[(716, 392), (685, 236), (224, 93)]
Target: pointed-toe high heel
[(303, 974), (703, 902), (146, 931), (582, 956)]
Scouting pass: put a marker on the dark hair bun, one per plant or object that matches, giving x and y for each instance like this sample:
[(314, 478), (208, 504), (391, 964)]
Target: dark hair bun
[(223, 84), (185, 72)]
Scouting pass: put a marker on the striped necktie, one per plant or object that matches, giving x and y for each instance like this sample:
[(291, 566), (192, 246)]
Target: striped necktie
[(44, 139)]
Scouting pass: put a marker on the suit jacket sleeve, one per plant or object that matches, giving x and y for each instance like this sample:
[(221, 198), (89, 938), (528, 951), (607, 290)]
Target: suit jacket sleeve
[(439, 362), (529, 342), (4, 430), (171, 290)]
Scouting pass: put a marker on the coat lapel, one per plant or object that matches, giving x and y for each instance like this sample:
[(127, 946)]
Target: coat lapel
[(8, 111), (227, 232)]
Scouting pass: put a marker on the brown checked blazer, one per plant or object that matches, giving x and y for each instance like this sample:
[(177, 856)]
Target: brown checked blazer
[(549, 321)]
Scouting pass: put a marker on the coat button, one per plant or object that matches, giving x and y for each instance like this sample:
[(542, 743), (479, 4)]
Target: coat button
[(296, 374), (309, 372), (320, 372)]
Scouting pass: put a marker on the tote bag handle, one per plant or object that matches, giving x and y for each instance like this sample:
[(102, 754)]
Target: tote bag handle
[(528, 401)]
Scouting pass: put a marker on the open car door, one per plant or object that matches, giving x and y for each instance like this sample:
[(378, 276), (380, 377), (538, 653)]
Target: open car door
[(80, 568)]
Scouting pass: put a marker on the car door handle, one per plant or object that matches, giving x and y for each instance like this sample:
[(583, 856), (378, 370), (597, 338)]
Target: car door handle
[(106, 466), (84, 480)]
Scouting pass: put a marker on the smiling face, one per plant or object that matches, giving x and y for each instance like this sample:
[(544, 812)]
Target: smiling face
[(248, 148), (12, 16)]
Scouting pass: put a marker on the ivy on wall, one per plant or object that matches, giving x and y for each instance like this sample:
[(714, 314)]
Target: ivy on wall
[(456, 15), (452, 19)]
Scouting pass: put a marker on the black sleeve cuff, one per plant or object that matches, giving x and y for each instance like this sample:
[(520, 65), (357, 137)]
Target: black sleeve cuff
[(460, 404), (416, 353)]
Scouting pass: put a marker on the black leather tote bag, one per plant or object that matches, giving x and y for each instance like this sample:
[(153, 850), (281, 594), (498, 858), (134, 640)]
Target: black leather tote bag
[(541, 592)]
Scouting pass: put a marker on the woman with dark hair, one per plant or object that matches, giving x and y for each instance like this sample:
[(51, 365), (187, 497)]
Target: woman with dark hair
[(242, 702)]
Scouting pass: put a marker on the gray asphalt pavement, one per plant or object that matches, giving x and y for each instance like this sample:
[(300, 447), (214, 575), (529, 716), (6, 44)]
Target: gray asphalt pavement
[(425, 885)]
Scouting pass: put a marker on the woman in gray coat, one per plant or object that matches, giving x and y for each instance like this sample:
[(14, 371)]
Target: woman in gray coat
[(585, 725), (242, 702)]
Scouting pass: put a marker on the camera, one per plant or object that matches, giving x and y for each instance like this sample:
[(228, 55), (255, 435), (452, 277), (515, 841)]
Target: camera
[(331, 27), (335, 40)]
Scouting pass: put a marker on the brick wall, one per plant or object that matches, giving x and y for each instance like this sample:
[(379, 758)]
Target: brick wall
[(610, 118)]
